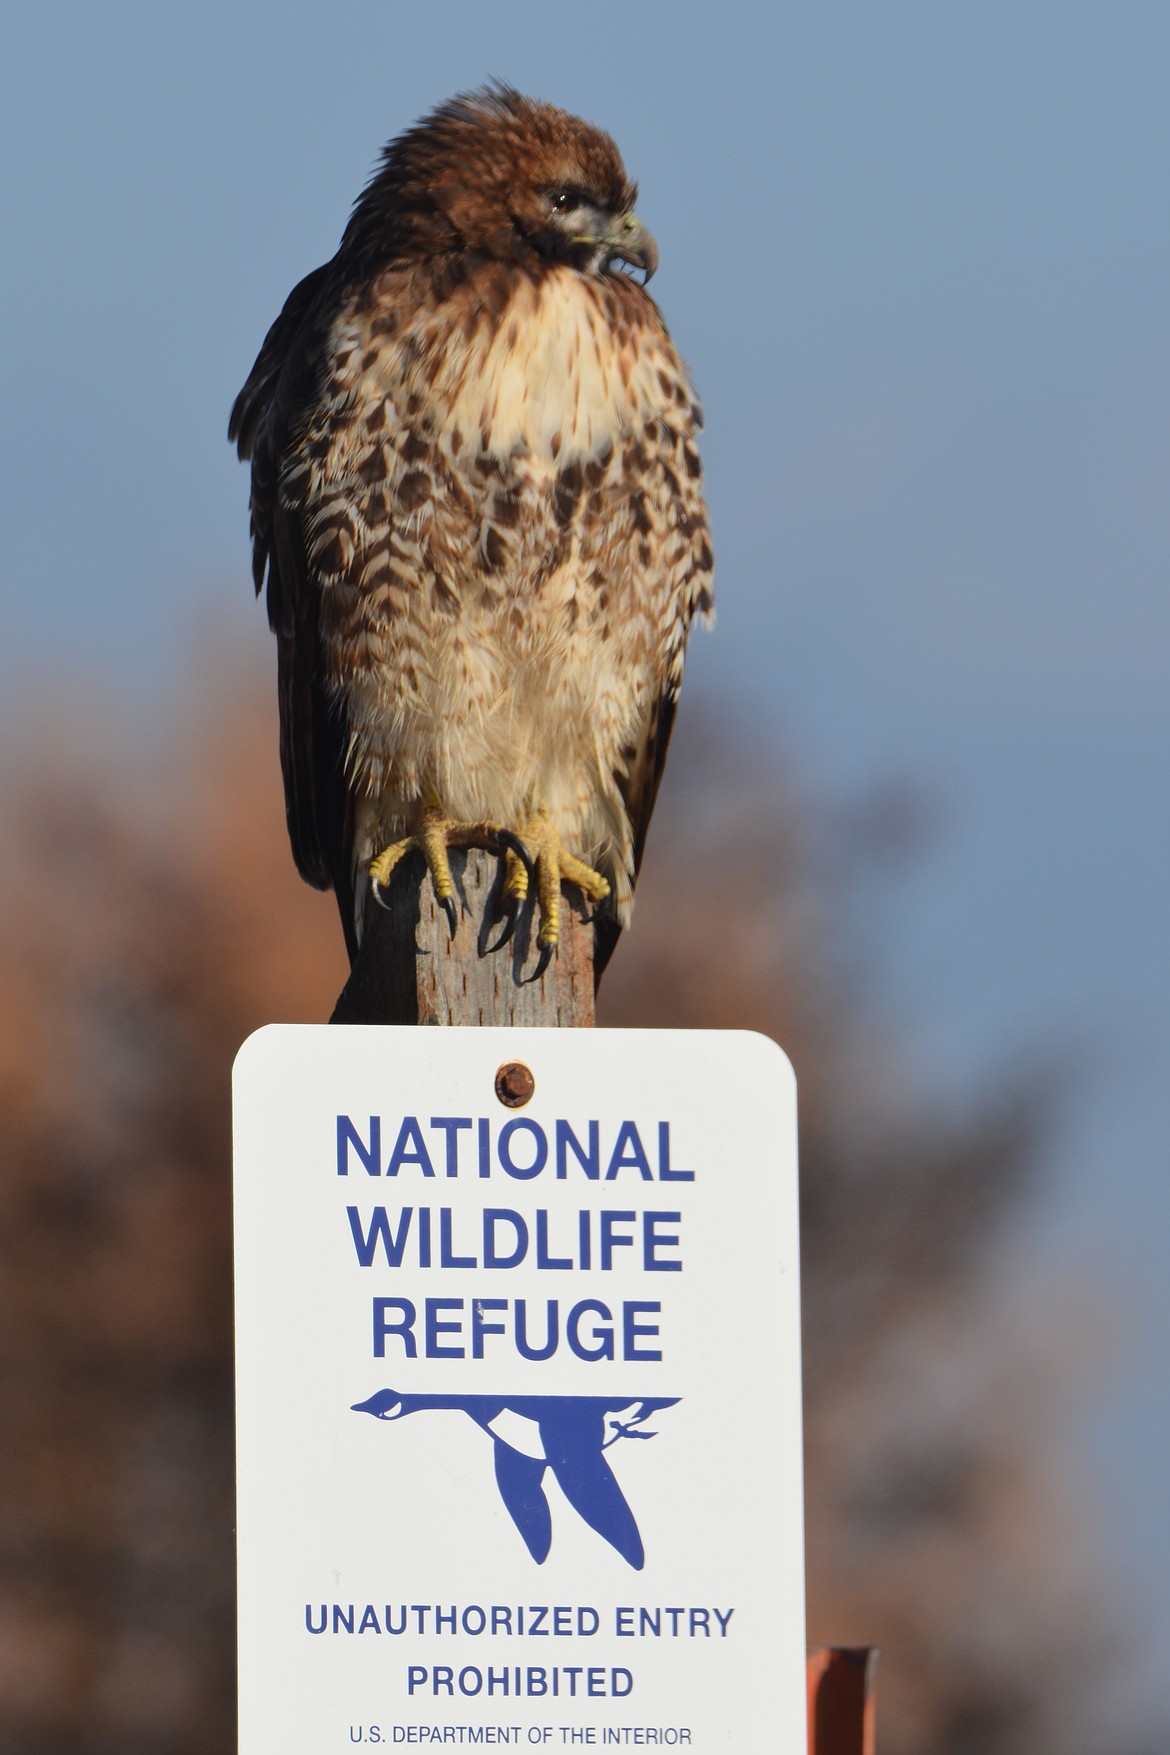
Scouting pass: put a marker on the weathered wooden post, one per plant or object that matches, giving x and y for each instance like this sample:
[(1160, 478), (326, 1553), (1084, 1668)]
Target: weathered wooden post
[(410, 970)]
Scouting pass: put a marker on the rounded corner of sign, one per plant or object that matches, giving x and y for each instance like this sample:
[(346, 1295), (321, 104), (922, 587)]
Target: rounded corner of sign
[(251, 1047), (770, 1048)]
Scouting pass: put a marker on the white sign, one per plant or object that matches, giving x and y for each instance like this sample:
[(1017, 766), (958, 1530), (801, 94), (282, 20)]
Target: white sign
[(518, 1391)]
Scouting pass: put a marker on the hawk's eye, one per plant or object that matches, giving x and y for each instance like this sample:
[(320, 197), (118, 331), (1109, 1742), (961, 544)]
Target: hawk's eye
[(565, 200)]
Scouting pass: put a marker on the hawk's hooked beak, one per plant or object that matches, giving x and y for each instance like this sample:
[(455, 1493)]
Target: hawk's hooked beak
[(627, 240)]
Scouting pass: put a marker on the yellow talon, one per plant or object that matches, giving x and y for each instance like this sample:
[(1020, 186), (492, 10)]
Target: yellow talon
[(381, 867), (577, 872), (515, 889), (553, 863), (433, 840), (537, 851), (435, 837)]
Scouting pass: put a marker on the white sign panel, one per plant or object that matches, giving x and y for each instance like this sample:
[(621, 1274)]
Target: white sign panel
[(518, 1391)]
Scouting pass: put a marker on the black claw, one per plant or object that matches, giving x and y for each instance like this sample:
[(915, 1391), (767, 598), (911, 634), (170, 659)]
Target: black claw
[(511, 916), (543, 961), (447, 904), (513, 844)]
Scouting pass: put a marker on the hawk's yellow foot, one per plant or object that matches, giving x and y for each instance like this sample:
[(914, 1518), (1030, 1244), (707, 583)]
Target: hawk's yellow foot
[(434, 840), (551, 863)]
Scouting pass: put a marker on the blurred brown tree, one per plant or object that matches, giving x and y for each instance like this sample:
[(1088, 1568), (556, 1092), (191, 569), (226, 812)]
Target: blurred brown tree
[(150, 918)]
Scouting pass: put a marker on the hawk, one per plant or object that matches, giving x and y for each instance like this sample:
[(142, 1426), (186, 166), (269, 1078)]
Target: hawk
[(477, 497)]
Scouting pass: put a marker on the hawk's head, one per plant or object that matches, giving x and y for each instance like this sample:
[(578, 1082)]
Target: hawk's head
[(497, 174)]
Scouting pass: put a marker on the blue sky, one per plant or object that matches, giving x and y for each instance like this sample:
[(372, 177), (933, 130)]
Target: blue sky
[(918, 258)]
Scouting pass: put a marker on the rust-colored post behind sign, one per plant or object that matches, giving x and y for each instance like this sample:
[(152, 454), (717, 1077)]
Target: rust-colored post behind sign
[(841, 1710)]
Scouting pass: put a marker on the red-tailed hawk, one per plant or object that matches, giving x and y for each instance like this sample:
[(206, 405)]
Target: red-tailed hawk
[(477, 495)]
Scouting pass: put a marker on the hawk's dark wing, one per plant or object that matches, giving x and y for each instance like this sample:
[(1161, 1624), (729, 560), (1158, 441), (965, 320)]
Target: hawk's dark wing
[(639, 788), (266, 420), (671, 545)]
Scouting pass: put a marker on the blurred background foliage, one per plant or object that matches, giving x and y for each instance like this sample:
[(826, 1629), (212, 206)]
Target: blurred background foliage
[(150, 918)]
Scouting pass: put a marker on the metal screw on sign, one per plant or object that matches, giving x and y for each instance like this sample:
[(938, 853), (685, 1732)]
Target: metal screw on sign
[(514, 1084)]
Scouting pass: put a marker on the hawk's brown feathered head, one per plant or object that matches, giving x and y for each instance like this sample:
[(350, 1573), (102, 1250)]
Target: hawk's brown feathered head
[(495, 174)]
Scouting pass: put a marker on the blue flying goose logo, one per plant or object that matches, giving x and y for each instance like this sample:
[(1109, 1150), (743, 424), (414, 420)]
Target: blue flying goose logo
[(570, 1438)]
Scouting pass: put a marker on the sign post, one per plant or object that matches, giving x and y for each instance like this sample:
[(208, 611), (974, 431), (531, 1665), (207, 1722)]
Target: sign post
[(518, 1390)]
